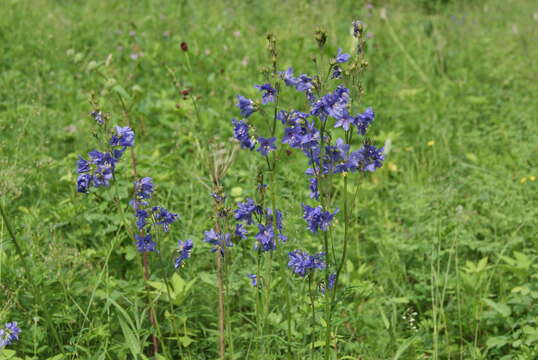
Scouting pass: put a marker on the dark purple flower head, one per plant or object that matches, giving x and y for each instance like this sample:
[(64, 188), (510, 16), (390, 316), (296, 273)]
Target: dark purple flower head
[(362, 121), (245, 210), (246, 106), (125, 137), (269, 92), (83, 183), (144, 243), (241, 134), (317, 218), (301, 263), (266, 145), (337, 72), (98, 116), (163, 217), (184, 251), (266, 238), (253, 279), (358, 28), (342, 58)]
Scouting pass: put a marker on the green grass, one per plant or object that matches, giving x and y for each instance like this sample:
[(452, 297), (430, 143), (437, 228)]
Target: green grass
[(446, 229)]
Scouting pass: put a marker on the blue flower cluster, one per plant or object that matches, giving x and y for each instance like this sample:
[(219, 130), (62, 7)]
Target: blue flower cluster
[(310, 131), (246, 108), (266, 239), (317, 219), (9, 334), (301, 263), (99, 169), (148, 216)]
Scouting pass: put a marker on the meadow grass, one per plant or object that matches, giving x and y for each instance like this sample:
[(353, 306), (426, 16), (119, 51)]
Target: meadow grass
[(444, 234)]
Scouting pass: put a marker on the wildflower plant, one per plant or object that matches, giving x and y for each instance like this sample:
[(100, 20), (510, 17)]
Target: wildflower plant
[(99, 170), (330, 131)]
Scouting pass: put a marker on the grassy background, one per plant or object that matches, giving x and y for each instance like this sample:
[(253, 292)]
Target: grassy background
[(446, 229)]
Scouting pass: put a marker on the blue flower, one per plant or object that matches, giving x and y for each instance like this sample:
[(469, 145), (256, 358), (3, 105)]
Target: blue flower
[(302, 82), (9, 334), (184, 250), (342, 58), (240, 231), (317, 219), (141, 216), (288, 77), (217, 240), (301, 263), (83, 183), (269, 92), (246, 106), (266, 238), (304, 137), (144, 243), (102, 175), (125, 137), (253, 279), (241, 134), (266, 145), (245, 210), (163, 217), (344, 120), (83, 166), (282, 115), (362, 121), (332, 104)]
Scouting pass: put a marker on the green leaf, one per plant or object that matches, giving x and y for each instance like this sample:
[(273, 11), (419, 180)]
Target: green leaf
[(502, 309), (497, 341)]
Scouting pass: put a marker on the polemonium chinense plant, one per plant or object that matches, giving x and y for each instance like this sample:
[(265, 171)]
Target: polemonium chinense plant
[(330, 130), (98, 170), (257, 131)]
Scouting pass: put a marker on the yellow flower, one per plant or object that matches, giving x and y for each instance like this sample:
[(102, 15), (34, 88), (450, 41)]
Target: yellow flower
[(430, 143), (393, 167), (532, 178), (523, 180)]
